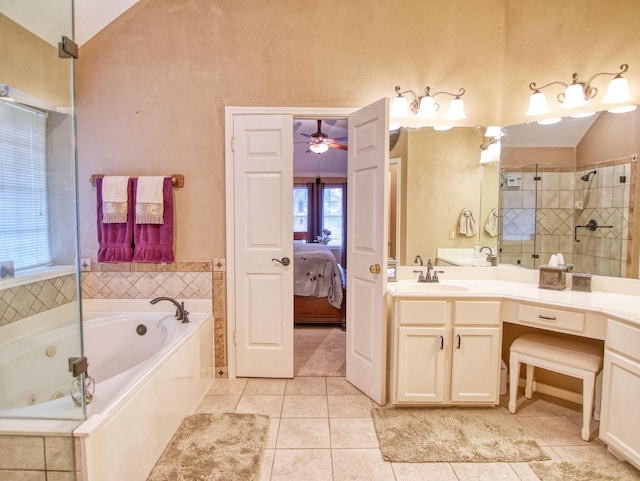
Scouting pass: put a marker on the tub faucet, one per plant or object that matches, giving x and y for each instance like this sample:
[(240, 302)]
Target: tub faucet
[(181, 313)]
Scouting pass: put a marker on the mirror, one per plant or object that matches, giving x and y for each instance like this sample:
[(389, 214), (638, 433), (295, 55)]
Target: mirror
[(570, 188), (439, 176)]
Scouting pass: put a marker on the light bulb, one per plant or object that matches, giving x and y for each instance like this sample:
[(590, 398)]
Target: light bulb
[(456, 109), (399, 107), (428, 108), (537, 104), (618, 91), (574, 96)]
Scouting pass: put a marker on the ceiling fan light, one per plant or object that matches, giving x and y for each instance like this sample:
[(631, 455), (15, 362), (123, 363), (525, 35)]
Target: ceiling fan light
[(428, 107), (618, 91), (537, 104), (574, 96), (456, 110), (319, 148), (399, 107)]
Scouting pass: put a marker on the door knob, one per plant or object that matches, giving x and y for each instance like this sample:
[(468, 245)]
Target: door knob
[(285, 261), (374, 269)]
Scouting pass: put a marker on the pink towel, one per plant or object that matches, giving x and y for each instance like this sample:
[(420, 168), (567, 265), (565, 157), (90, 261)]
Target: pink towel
[(154, 242), (115, 240)]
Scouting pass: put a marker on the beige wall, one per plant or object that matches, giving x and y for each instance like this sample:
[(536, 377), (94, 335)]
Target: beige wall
[(152, 86)]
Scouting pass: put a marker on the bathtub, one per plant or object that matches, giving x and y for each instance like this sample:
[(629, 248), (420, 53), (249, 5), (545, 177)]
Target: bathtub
[(145, 384)]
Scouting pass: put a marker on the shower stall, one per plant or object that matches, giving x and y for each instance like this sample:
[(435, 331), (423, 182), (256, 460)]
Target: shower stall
[(39, 286), (583, 214)]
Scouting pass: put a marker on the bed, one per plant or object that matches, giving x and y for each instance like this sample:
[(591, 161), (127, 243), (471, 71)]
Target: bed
[(319, 283)]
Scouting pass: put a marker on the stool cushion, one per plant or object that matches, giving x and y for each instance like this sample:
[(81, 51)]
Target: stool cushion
[(562, 351)]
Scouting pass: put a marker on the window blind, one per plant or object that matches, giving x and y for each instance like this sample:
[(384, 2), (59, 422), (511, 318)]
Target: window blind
[(24, 216)]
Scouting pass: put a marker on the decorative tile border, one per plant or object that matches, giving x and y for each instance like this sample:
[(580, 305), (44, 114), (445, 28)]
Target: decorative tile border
[(30, 299)]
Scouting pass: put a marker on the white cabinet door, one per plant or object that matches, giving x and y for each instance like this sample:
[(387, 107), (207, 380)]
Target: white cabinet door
[(420, 364), (620, 416), (475, 365)]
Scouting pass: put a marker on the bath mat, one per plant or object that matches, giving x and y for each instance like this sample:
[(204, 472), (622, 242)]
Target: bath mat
[(606, 471), (214, 447), (454, 435)]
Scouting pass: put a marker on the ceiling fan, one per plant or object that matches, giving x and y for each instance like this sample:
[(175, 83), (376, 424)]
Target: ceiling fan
[(319, 142)]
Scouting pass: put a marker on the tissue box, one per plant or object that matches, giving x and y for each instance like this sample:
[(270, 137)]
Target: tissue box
[(554, 277), (581, 281)]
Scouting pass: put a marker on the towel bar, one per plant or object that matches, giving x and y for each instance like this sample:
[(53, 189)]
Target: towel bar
[(176, 179)]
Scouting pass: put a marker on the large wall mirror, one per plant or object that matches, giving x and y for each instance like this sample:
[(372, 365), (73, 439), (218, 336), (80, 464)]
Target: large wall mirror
[(570, 187), (440, 176)]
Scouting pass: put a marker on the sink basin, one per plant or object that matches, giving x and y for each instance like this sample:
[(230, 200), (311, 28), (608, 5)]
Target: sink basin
[(427, 287)]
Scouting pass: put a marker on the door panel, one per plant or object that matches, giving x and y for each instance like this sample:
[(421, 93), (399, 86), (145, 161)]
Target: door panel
[(263, 176), (368, 163)]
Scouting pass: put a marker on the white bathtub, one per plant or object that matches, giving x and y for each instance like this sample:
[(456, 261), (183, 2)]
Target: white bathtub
[(145, 384)]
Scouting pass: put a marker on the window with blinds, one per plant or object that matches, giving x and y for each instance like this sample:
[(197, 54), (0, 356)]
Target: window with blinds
[(24, 216)]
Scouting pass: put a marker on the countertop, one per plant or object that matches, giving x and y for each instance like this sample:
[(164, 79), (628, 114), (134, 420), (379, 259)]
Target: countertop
[(522, 285)]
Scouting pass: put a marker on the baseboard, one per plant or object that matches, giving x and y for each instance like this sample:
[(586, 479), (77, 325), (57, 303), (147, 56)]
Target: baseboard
[(554, 391)]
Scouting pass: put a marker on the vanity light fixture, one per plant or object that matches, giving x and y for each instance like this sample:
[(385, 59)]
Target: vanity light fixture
[(490, 148), (577, 94), (425, 106)]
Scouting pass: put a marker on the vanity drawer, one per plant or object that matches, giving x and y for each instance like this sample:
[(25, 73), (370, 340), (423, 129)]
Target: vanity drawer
[(477, 313), (551, 318), (623, 338), (421, 312)]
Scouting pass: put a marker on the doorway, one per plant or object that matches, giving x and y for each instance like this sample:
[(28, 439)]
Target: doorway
[(319, 230), (259, 242)]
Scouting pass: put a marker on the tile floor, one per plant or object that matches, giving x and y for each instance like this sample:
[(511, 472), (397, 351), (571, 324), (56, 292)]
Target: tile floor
[(322, 430)]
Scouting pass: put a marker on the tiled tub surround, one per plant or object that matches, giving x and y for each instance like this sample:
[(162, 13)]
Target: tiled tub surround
[(181, 280), (539, 217)]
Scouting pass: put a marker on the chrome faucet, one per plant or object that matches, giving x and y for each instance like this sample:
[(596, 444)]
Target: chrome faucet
[(428, 276), (490, 257), (181, 313)]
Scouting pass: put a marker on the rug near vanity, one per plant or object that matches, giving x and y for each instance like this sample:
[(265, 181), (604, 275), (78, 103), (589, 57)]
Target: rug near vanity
[(454, 435), (606, 471)]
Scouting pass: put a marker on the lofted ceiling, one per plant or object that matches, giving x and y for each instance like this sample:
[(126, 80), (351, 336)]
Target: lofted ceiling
[(50, 19), (567, 133)]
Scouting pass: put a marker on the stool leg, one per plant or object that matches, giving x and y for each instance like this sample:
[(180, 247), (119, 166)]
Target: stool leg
[(588, 385), (514, 375), (528, 389)]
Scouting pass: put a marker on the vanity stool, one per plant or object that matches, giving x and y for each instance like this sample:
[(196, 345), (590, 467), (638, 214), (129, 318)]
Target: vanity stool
[(565, 356)]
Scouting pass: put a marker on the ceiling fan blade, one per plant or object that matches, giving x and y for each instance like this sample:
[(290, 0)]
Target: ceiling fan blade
[(338, 146), (338, 139)]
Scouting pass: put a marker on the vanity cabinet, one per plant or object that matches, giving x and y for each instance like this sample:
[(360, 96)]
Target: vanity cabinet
[(446, 352), (620, 418)]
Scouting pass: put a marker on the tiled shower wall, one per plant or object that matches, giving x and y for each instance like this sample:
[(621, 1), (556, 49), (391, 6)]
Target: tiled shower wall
[(538, 217), (183, 280)]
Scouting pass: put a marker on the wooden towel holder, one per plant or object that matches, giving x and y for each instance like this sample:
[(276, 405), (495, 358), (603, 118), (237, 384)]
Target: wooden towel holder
[(176, 179)]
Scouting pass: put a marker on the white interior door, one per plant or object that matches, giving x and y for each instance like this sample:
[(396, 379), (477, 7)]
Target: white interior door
[(263, 179), (367, 220)]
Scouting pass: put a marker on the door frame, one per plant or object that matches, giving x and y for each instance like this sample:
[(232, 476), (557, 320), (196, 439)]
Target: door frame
[(229, 113)]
